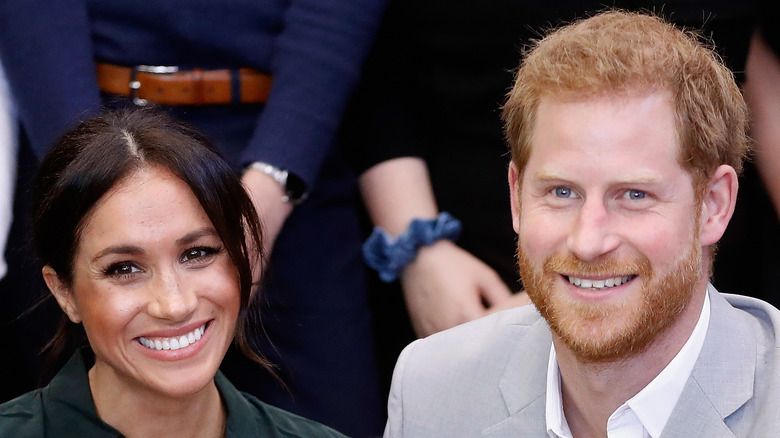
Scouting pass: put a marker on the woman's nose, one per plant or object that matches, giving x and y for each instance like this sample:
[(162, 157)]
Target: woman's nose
[(170, 299)]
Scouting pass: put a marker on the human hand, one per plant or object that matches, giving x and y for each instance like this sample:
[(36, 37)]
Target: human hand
[(446, 286)]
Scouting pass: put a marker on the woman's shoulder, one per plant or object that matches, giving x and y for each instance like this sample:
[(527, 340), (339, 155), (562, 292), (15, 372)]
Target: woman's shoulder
[(22, 416), (286, 424), (248, 416)]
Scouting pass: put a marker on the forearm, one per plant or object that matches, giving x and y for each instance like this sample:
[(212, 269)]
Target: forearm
[(266, 195), (762, 91), (47, 53), (316, 64), (443, 285), (397, 191)]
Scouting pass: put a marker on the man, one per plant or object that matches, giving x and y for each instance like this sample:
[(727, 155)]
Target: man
[(627, 136)]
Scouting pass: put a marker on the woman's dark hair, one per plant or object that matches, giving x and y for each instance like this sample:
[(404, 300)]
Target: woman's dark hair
[(91, 159)]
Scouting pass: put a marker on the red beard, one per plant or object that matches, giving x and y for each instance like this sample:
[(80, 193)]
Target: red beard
[(608, 332)]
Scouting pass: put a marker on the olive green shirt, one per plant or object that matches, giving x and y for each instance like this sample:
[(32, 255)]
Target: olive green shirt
[(65, 409)]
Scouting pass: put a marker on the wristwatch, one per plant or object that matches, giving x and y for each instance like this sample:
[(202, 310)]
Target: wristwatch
[(294, 187)]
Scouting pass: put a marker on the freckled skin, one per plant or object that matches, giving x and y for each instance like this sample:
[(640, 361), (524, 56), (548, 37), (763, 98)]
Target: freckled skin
[(604, 195), (150, 263)]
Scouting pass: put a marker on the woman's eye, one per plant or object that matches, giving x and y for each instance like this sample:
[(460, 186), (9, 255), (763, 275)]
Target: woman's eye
[(198, 253), (636, 194), (563, 192), (121, 269)]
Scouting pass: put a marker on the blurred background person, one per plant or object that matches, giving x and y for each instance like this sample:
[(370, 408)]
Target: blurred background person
[(21, 334), (762, 91), (8, 148)]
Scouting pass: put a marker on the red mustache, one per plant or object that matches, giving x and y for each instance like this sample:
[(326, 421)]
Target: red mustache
[(608, 267)]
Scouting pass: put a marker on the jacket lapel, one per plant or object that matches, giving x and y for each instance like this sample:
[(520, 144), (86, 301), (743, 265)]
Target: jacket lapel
[(524, 384), (722, 379)]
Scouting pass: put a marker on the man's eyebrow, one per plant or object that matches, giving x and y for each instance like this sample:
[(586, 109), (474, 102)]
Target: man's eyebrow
[(545, 175), (195, 235)]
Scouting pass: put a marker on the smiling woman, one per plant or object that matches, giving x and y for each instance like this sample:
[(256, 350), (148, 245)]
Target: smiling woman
[(147, 238)]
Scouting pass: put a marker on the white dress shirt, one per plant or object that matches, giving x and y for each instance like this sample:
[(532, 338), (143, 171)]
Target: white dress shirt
[(8, 150), (645, 414)]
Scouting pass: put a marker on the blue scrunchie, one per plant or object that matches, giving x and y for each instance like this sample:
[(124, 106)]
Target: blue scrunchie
[(389, 256)]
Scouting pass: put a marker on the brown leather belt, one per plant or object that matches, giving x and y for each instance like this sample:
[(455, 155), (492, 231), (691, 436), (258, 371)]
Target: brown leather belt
[(170, 86)]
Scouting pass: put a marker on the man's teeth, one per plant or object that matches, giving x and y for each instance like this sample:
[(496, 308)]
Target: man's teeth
[(173, 343), (599, 284)]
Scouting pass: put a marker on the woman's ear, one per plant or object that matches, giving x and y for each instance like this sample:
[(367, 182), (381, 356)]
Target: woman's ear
[(720, 198), (62, 294)]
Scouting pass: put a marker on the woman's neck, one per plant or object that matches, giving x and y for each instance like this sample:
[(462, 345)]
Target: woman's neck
[(140, 413)]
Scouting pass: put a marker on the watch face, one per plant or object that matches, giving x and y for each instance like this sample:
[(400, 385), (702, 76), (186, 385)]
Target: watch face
[(295, 188)]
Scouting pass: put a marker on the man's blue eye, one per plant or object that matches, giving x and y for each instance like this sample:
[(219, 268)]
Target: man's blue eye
[(563, 192), (636, 194)]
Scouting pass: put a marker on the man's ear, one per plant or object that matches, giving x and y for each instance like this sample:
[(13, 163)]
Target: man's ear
[(62, 294), (514, 196), (720, 198)]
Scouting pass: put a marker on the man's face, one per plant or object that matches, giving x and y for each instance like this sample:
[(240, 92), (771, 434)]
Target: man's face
[(608, 223)]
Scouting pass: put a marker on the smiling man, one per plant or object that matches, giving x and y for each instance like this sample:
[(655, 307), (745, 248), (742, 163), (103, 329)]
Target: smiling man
[(627, 136)]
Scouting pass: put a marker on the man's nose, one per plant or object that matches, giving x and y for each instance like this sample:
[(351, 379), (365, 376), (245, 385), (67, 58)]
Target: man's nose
[(170, 299), (592, 234)]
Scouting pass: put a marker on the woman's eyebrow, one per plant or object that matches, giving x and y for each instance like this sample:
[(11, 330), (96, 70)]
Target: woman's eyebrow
[(195, 235), (119, 249)]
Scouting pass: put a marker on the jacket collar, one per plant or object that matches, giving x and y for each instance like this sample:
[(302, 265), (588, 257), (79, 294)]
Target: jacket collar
[(69, 404)]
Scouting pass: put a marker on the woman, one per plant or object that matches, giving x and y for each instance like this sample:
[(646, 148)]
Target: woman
[(143, 232), (267, 81)]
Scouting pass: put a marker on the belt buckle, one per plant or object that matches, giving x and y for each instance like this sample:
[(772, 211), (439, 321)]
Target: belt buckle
[(135, 84)]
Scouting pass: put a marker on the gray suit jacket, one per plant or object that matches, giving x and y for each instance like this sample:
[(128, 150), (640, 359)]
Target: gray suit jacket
[(488, 378)]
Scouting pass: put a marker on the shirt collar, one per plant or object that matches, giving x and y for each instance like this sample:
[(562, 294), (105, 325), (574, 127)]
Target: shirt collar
[(556, 421), (653, 405), (69, 404), (68, 400)]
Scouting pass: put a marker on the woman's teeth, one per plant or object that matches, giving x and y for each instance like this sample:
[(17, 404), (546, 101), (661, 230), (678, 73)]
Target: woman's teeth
[(599, 284), (173, 343)]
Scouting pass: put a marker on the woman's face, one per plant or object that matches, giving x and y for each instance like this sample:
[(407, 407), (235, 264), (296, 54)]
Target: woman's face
[(154, 288)]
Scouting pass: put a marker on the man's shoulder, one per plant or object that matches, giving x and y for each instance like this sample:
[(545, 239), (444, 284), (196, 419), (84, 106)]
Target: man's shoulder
[(476, 354), (763, 312), (458, 382), (489, 336), (756, 318)]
